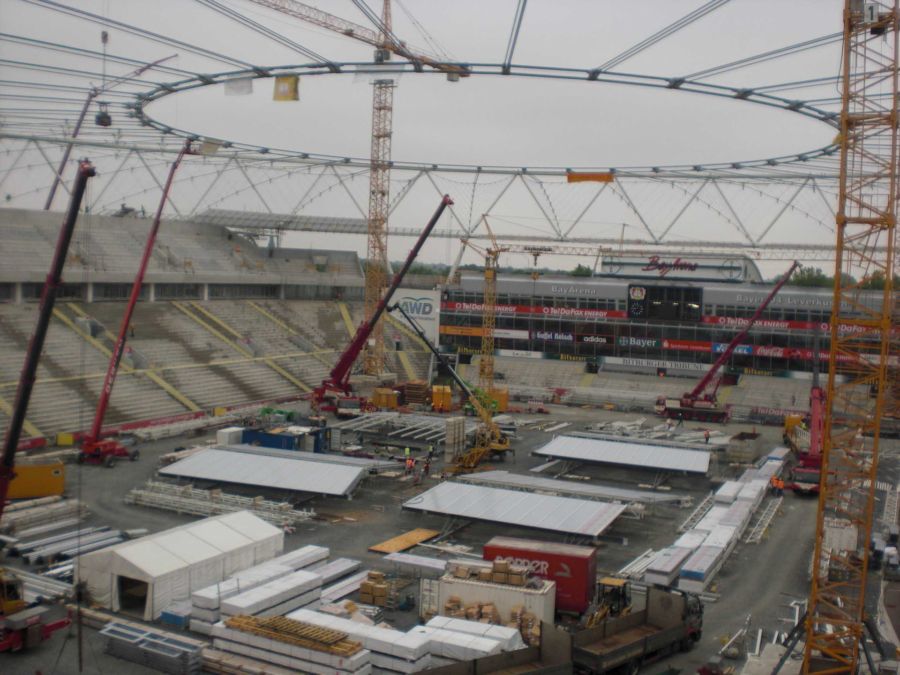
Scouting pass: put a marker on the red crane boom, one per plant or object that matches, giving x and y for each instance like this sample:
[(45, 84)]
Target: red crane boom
[(33, 357), (707, 402), (338, 381), (94, 449)]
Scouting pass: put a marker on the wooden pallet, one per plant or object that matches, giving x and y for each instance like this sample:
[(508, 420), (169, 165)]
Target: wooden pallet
[(404, 541), (296, 632)]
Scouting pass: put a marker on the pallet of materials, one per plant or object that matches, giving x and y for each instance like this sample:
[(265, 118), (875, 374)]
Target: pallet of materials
[(692, 539), (455, 646), (459, 596), (165, 654), (293, 644), (728, 492), (724, 537), (738, 516), (510, 639), (699, 570), (712, 518), (32, 516), (276, 597), (666, 566), (336, 569), (391, 649), (417, 392)]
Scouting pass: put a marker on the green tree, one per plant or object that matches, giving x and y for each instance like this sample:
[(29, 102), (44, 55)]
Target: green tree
[(581, 271), (811, 277)]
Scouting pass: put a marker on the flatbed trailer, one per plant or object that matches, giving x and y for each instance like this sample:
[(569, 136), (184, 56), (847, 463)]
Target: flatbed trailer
[(671, 622), (700, 411)]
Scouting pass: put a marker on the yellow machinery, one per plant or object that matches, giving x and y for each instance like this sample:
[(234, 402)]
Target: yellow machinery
[(12, 593), (614, 600), (42, 479), (488, 437)]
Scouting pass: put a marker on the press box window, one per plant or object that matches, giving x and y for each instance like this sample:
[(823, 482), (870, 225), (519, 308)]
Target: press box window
[(665, 303)]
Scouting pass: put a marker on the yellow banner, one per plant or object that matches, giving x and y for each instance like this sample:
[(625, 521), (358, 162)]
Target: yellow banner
[(287, 88), (473, 331)]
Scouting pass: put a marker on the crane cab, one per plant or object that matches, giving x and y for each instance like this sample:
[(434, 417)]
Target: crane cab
[(12, 593)]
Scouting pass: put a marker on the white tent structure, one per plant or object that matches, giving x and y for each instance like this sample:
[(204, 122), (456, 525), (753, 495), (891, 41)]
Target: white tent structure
[(147, 574)]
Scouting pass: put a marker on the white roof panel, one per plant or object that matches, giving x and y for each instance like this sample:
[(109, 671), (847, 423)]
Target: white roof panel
[(525, 509), (503, 479), (626, 454), (150, 558), (184, 545), (274, 472)]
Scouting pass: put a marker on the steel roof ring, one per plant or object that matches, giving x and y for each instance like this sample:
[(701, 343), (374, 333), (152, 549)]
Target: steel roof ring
[(138, 109)]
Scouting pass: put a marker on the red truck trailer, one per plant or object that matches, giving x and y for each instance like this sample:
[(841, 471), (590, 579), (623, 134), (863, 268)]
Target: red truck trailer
[(573, 568)]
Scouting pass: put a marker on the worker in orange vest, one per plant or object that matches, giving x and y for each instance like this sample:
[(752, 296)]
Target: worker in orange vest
[(780, 487), (706, 436), (773, 483), (409, 465)]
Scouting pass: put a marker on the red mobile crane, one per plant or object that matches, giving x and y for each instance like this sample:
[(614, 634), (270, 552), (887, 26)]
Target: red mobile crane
[(806, 477), (700, 404), (104, 451), (21, 625), (335, 393)]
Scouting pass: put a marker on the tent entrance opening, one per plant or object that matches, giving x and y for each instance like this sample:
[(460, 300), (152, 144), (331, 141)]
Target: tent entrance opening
[(132, 595)]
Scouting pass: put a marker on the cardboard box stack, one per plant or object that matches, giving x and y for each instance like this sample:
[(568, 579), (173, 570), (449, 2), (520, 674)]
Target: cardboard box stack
[(373, 591)]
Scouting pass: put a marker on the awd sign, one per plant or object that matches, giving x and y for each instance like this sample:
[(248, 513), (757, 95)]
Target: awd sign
[(417, 306), (424, 307)]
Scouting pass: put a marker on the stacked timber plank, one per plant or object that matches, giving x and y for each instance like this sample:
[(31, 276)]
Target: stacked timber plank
[(32, 514), (293, 644), (207, 602), (165, 654), (417, 393)]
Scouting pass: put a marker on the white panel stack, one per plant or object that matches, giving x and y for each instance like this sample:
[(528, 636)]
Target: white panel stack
[(664, 568), (692, 539), (336, 569), (754, 492), (391, 649), (700, 569), (728, 492), (510, 639), (456, 646), (277, 597), (290, 655), (229, 435), (723, 537), (302, 557), (738, 516), (207, 601), (712, 518)]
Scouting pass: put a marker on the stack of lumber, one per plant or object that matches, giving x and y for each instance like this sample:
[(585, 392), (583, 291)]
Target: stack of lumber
[(293, 644), (35, 512), (417, 392)]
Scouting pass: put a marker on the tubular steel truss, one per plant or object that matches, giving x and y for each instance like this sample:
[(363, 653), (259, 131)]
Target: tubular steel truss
[(860, 333)]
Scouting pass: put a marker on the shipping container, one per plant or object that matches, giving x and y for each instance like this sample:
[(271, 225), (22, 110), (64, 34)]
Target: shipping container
[(539, 601), (573, 568), (501, 396), (230, 436), (43, 479)]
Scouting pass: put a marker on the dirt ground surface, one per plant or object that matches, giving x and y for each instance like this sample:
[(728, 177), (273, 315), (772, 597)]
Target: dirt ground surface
[(758, 580)]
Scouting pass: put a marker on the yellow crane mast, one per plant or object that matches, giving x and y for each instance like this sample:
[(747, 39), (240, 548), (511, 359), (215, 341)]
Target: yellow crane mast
[(863, 344), (488, 437)]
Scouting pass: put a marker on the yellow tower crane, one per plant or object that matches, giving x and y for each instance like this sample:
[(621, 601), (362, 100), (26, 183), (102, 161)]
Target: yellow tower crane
[(386, 43), (488, 437), (864, 345)]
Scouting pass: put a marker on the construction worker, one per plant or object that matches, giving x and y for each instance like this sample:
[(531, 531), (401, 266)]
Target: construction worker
[(706, 436), (409, 465), (132, 330), (680, 420), (670, 424), (773, 483), (780, 487), (430, 452), (406, 452), (427, 466)]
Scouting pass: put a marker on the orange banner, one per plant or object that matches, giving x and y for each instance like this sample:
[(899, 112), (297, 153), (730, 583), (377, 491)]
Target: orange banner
[(605, 177)]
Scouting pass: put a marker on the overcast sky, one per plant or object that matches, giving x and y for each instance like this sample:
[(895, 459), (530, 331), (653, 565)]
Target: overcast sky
[(487, 120)]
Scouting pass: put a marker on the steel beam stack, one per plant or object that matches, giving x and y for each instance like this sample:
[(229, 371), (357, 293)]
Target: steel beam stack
[(165, 654)]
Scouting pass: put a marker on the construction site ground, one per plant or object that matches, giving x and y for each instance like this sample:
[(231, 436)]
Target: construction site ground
[(758, 580)]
